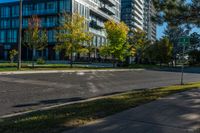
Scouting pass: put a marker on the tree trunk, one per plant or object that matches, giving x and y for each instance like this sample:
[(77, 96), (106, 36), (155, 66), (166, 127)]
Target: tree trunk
[(71, 61), (175, 62), (89, 57), (114, 62), (105, 59), (33, 56), (12, 60), (138, 60)]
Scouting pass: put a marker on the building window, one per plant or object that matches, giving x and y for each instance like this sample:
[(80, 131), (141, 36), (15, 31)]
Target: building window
[(15, 23), (27, 9), (12, 36), (15, 11), (39, 8), (5, 12), (25, 23), (81, 9), (52, 7), (2, 36), (5, 24), (51, 21), (51, 36), (65, 5)]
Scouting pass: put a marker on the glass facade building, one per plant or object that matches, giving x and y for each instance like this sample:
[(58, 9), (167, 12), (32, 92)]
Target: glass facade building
[(95, 11)]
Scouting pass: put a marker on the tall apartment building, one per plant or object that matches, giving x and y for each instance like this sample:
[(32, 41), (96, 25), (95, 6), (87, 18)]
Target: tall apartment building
[(95, 11), (149, 26), (137, 15)]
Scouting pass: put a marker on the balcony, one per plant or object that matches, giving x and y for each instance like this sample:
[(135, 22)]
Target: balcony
[(96, 24), (107, 9), (97, 32), (109, 2)]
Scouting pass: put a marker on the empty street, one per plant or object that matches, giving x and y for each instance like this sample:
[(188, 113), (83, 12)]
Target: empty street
[(23, 92)]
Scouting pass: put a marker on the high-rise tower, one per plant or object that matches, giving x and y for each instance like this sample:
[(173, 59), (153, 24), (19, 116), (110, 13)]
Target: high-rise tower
[(137, 15)]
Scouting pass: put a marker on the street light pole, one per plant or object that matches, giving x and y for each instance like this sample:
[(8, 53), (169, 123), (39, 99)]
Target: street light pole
[(20, 35)]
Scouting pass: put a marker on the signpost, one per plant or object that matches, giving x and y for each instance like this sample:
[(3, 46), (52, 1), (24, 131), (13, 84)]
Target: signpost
[(184, 41)]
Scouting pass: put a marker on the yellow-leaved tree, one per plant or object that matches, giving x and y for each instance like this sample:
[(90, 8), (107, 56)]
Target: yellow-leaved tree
[(139, 44), (73, 35), (117, 35)]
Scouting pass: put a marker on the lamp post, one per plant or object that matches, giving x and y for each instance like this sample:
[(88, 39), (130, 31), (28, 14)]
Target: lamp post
[(20, 35)]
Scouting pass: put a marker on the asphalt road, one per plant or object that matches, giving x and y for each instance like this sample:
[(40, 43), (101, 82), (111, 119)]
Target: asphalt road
[(32, 91)]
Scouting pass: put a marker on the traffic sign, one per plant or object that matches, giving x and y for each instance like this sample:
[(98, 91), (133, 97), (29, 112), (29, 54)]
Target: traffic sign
[(184, 40)]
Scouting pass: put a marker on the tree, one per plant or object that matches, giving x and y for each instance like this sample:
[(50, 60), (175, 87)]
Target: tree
[(174, 34), (194, 57), (72, 35), (34, 37), (139, 43), (194, 41), (117, 40), (12, 55), (89, 48), (104, 51), (178, 12), (161, 51)]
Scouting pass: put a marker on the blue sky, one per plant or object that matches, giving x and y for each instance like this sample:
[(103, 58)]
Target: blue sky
[(160, 29), (6, 0)]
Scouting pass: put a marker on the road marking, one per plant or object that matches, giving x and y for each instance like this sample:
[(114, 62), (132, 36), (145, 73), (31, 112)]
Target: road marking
[(80, 73)]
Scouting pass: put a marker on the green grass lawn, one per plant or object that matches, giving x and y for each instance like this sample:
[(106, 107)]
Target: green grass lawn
[(70, 116), (28, 67)]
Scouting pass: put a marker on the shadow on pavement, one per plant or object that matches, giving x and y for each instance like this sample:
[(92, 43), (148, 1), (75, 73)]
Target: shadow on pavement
[(47, 102), (174, 114)]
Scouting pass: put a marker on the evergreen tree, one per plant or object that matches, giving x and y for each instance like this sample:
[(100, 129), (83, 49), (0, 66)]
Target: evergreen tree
[(174, 34), (178, 12), (160, 52), (194, 41)]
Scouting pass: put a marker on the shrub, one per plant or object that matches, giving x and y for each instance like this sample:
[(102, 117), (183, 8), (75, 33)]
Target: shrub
[(194, 57), (40, 61), (12, 54)]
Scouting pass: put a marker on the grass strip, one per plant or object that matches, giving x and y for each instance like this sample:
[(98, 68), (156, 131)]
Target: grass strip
[(6, 67), (67, 117)]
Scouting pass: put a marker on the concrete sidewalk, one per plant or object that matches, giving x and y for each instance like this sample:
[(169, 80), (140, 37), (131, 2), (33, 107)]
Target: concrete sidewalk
[(179, 113)]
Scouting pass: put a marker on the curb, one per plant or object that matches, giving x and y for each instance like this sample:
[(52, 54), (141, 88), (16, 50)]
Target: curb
[(58, 105), (66, 71)]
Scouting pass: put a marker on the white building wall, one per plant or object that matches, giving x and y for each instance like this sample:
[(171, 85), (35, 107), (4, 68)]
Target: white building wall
[(137, 15)]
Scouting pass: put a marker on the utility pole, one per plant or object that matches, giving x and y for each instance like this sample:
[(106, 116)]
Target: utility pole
[(20, 36)]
